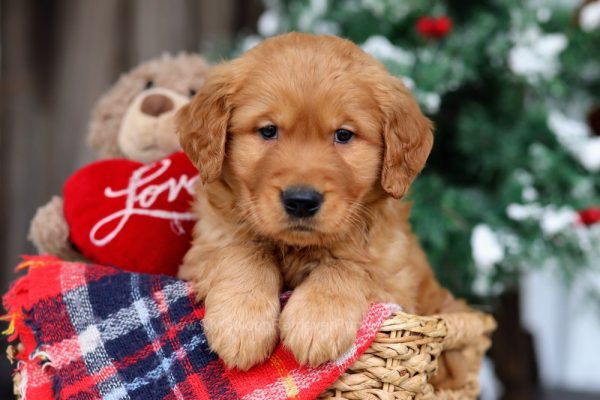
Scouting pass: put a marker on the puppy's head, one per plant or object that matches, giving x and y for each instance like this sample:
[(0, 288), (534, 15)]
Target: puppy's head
[(306, 131)]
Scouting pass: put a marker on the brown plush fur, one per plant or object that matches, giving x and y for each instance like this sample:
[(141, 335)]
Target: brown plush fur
[(357, 249), (117, 121), (180, 74)]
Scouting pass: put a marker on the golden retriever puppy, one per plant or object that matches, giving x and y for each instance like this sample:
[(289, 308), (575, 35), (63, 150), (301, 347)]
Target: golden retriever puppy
[(304, 146)]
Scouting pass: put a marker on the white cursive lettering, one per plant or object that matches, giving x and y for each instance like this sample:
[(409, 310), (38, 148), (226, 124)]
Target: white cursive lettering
[(139, 203)]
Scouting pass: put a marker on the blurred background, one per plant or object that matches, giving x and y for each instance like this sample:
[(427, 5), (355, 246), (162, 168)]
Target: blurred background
[(508, 208)]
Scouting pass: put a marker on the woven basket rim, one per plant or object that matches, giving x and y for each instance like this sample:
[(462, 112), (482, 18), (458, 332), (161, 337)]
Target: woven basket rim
[(405, 352)]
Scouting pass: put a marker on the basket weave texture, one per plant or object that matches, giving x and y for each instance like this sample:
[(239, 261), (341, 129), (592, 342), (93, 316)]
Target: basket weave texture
[(405, 353)]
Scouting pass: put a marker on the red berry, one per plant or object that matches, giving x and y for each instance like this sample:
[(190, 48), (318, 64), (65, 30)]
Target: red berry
[(425, 26), (443, 26), (434, 27), (589, 216)]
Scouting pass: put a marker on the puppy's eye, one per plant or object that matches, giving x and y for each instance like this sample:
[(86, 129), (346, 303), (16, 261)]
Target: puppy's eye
[(268, 132), (192, 92), (343, 136), (149, 84)]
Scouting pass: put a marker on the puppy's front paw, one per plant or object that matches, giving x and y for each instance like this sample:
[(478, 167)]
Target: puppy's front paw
[(318, 328), (243, 329)]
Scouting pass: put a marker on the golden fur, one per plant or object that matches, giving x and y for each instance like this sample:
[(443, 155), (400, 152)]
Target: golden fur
[(357, 249)]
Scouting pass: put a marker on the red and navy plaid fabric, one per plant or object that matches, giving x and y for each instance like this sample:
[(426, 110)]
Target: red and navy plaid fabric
[(96, 332)]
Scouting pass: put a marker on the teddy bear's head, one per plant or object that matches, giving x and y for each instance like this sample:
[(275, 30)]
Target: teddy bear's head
[(135, 118)]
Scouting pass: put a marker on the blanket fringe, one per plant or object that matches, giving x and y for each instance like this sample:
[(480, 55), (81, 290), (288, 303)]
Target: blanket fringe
[(11, 325), (32, 262)]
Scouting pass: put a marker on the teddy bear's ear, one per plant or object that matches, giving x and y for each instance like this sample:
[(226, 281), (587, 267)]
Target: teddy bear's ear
[(202, 124)]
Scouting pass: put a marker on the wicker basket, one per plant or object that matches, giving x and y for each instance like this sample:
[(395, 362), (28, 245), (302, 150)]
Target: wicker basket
[(405, 353)]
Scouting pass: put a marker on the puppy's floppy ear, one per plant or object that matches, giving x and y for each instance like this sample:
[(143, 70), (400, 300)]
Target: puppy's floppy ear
[(407, 136), (202, 124)]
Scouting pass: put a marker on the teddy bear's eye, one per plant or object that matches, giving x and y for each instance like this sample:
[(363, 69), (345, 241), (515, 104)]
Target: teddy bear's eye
[(149, 84), (192, 92)]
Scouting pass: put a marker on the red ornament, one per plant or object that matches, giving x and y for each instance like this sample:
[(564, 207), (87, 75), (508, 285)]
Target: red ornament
[(434, 27), (589, 216)]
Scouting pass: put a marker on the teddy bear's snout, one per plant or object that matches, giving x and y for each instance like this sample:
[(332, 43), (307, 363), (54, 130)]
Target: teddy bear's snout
[(156, 104)]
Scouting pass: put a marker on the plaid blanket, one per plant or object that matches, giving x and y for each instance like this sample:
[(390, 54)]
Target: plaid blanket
[(96, 332)]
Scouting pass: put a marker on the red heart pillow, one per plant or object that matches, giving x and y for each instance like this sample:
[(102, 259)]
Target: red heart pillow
[(131, 215)]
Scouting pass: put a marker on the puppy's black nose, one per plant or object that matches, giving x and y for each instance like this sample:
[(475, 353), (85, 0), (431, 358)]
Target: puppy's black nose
[(301, 202)]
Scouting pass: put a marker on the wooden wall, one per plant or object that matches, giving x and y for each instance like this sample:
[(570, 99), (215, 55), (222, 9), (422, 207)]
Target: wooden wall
[(57, 58)]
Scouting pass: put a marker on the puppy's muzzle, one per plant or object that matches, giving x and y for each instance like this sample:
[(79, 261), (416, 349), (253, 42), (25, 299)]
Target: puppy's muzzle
[(301, 201)]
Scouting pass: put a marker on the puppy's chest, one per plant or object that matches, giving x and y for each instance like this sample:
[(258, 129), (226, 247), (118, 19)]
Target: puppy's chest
[(382, 257), (297, 263)]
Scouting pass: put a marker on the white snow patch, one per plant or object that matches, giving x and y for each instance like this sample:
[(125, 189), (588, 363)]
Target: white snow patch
[(486, 247), (589, 18), (380, 47), (535, 54)]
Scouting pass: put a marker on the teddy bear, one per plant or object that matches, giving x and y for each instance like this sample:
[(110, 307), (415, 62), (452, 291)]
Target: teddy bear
[(134, 119)]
